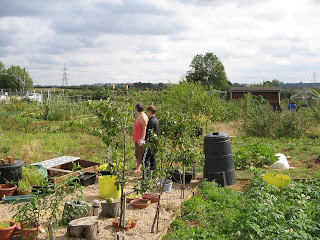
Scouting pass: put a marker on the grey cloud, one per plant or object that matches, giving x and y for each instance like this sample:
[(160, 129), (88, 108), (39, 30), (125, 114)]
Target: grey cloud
[(240, 3), (23, 8), (104, 20), (84, 17)]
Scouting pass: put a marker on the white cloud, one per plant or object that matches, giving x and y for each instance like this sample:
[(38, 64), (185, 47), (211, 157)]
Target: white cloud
[(153, 41)]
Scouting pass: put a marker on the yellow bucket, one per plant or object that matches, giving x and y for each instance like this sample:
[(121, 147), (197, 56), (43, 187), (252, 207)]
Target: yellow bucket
[(279, 180), (108, 187)]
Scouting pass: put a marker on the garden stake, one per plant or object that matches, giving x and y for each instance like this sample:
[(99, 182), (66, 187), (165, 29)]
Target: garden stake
[(156, 217), (184, 180), (144, 163), (194, 171), (51, 232), (123, 223)]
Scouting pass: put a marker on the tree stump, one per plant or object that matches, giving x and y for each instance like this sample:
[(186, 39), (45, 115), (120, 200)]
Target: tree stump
[(86, 227), (111, 209), (73, 210)]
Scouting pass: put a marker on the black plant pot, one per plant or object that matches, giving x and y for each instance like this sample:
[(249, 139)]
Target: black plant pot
[(177, 176), (103, 173)]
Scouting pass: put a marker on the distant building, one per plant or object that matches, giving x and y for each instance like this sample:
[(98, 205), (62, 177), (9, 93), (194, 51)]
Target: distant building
[(272, 94)]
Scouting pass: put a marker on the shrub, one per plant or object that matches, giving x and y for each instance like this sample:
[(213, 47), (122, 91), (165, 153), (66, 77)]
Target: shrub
[(255, 154)]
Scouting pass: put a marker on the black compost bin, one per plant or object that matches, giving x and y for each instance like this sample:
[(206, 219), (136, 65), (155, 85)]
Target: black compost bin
[(11, 172), (219, 160)]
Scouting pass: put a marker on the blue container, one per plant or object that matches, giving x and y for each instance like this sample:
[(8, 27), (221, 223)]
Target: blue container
[(292, 106)]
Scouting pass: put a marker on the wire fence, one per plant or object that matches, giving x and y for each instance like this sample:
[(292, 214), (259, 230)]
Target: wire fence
[(40, 97)]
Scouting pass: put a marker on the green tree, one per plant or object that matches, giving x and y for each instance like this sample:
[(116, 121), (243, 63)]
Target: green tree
[(209, 70), (102, 93), (7, 81), (1, 67), (22, 78)]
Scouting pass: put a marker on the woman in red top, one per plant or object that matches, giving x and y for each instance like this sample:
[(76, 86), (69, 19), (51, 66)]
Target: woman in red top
[(139, 135)]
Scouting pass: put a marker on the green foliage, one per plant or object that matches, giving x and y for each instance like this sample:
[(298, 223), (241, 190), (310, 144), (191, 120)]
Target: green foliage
[(102, 93), (61, 108), (4, 224), (256, 154), (8, 81), (261, 121), (266, 212), (21, 77), (24, 184), (33, 176), (209, 70), (47, 202)]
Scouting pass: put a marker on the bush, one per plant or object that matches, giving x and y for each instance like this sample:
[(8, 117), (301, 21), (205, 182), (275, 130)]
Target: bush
[(260, 120), (255, 154)]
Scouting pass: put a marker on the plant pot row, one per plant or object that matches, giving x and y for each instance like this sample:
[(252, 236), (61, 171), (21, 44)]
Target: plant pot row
[(7, 189)]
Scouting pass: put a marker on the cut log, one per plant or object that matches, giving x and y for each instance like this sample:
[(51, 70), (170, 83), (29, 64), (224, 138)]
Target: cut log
[(86, 227), (73, 210), (111, 209)]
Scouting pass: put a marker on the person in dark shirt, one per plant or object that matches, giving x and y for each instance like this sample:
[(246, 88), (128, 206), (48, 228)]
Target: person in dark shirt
[(152, 127)]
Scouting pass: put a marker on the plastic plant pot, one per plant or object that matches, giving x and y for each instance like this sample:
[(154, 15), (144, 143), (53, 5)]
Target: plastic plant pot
[(140, 203)]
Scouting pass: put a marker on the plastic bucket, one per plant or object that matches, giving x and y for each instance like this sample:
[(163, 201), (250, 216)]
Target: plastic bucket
[(108, 187), (278, 180), (167, 186)]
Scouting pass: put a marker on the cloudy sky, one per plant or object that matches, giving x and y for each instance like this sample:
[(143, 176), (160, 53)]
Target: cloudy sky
[(110, 41)]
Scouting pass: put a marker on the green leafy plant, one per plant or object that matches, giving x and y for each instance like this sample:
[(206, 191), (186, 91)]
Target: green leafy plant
[(30, 214), (24, 185), (4, 224), (266, 212), (33, 176), (255, 154)]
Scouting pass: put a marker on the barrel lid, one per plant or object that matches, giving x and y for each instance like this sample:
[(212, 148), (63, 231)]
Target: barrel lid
[(216, 136)]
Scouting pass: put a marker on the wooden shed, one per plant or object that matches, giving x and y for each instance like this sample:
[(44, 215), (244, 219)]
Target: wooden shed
[(272, 94)]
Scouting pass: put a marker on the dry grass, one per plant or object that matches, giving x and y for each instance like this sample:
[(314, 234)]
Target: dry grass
[(31, 153), (232, 128)]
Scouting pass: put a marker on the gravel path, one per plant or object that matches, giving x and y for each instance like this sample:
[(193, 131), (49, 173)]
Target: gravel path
[(170, 202)]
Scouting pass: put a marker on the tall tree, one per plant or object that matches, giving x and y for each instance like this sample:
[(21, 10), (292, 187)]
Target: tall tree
[(1, 67), (21, 77), (209, 70)]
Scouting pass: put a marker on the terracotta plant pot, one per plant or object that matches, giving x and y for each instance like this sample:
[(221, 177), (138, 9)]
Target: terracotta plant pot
[(115, 223), (130, 199), (154, 198), (133, 223), (7, 233), (7, 189), (140, 203), (21, 192), (27, 232)]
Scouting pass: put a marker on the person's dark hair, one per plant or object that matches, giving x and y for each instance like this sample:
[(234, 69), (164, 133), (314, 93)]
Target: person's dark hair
[(152, 109), (139, 107)]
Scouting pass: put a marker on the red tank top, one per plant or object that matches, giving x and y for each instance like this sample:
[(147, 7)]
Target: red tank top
[(137, 134)]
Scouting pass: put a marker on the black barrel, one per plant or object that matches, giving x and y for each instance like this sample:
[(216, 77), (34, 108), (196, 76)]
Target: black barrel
[(219, 160), (11, 172)]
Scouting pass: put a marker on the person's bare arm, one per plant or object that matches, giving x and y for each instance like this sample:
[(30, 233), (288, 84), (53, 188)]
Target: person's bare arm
[(144, 122)]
